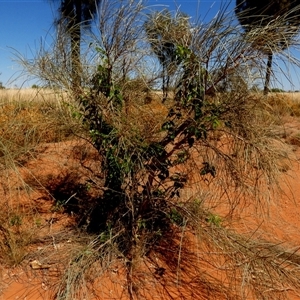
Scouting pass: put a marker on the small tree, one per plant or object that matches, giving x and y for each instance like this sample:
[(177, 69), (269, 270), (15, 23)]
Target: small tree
[(165, 33), (274, 23), (199, 140), (73, 14)]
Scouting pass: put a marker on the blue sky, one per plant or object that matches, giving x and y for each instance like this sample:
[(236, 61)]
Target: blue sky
[(23, 24), (27, 23)]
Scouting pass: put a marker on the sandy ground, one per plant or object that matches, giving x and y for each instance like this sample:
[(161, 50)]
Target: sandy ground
[(39, 272)]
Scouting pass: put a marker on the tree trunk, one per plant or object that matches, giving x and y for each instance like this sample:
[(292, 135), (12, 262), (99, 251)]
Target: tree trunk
[(268, 74), (164, 88), (75, 35)]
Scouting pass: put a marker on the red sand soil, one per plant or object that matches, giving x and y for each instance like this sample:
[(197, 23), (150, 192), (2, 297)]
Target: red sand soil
[(55, 234)]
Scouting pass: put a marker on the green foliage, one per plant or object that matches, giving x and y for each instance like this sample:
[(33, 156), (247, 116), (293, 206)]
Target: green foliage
[(214, 219), (182, 156), (208, 169), (15, 220), (102, 80), (189, 91), (277, 90), (105, 235), (176, 217), (58, 206)]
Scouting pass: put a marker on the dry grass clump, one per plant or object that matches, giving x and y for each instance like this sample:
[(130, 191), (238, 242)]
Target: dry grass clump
[(295, 109), (282, 104), (251, 268), (278, 104), (146, 120), (15, 235), (279, 108), (138, 90), (28, 119), (294, 139)]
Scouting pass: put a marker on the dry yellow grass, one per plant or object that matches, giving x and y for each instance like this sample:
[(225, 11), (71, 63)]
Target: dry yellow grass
[(31, 116), (281, 104), (293, 96), (12, 95), (28, 117)]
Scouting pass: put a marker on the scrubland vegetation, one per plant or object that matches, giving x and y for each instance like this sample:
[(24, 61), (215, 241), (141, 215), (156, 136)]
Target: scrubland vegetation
[(146, 186)]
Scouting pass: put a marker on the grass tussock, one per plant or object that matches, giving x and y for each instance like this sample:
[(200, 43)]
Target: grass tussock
[(15, 237), (282, 104), (29, 118)]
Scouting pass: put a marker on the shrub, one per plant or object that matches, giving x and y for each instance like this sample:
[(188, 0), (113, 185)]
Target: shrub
[(201, 136), (277, 90)]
